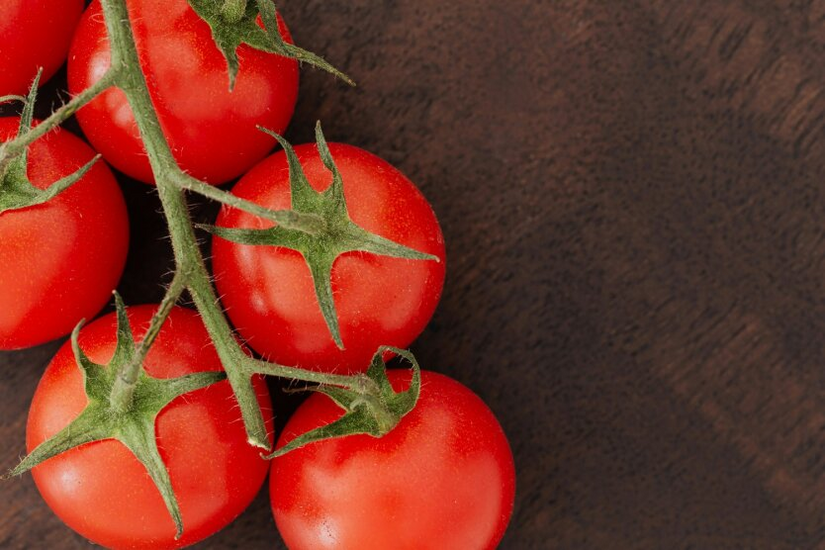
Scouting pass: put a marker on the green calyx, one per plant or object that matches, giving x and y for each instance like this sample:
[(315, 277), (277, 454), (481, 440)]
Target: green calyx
[(124, 402), (336, 234), (234, 22), (16, 190), (373, 409)]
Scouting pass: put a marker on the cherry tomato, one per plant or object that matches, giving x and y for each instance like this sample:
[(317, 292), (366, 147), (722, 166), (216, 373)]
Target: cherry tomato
[(211, 130), (100, 489), (268, 291), (34, 34), (442, 478), (60, 260)]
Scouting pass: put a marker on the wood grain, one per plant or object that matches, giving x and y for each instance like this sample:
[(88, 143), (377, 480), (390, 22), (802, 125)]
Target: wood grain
[(632, 197)]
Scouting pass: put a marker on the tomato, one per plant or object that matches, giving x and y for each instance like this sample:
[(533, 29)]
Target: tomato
[(268, 291), (211, 130), (101, 491), (60, 260), (34, 34), (442, 478)]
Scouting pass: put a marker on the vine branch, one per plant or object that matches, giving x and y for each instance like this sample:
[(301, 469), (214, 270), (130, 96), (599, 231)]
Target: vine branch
[(124, 384), (171, 182), (12, 149), (308, 223), (190, 269)]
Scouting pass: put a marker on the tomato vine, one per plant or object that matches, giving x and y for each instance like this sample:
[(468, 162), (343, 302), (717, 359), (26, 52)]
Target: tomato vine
[(190, 270), (123, 400)]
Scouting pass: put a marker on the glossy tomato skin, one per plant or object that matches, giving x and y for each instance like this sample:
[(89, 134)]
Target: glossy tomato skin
[(101, 491), (33, 34), (60, 260), (211, 130), (443, 478), (268, 291)]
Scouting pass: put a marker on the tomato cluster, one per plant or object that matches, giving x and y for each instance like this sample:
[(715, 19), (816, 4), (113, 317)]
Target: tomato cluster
[(323, 301)]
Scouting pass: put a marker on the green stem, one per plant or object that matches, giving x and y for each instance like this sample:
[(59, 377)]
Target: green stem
[(126, 381), (273, 369), (176, 288), (12, 97), (188, 257), (289, 219), (12, 149)]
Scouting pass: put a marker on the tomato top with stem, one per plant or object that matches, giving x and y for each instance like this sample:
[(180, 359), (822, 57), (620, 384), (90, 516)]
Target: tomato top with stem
[(442, 478), (211, 130), (60, 260), (269, 291), (101, 490)]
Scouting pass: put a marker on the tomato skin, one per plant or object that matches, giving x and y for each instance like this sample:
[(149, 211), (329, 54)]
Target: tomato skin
[(33, 34), (101, 491), (268, 291), (60, 260), (211, 130), (443, 478)]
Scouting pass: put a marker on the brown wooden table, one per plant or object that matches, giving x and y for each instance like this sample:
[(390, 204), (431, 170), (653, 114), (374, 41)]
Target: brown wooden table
[(632, 197)]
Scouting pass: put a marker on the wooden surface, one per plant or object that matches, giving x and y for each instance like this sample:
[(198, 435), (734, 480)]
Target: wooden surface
[(632, 197)]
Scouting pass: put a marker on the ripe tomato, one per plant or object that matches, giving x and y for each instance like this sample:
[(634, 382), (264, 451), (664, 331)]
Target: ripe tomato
[(101, 491), (442, 478), (268, 291), (60, 260), (211, 130), (34, 34)]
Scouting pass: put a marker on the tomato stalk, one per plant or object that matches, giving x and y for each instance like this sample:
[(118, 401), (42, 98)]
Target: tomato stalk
[(184, 244), (310, 224), (191, 273), (123, 389), (239, 367)]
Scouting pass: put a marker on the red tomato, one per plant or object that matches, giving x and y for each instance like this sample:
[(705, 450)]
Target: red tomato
[(60, 260), (100, 489), (211, 130), (443, 478), (34, 34), (268, 291)]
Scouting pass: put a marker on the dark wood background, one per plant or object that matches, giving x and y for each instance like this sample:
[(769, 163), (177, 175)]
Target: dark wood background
[(632, 197)]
